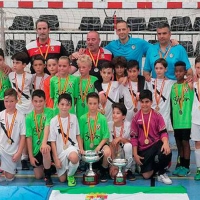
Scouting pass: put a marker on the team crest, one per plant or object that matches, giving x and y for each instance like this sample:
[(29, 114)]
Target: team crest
[(102, 55), (90, 86), (98, 126), (171, 55), (52, 48), (133, 47), (70, 85)]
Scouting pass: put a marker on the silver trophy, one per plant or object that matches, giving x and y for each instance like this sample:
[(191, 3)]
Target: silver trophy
[(90, 177)]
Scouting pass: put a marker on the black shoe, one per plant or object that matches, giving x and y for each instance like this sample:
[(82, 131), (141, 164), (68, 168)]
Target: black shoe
[(53, 169), (103, 176), (25, 165), (48, 182), (130, 176)]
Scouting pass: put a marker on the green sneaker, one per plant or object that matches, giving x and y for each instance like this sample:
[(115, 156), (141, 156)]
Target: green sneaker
[(176, 171), (183, 172), (71, 181), (197, 176)]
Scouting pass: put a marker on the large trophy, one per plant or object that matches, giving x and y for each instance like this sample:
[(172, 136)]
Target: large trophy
[(90, 177)]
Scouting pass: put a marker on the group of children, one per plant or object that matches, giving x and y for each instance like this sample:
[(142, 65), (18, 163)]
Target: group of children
[(61, 116)]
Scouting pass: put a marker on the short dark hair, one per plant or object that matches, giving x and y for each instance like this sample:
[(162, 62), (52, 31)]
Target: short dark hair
[(119, 61), (10, 92), (133, 64), (180, 63), (2, 53), (51, 57), (64, 58), (197, 59), (163, 25), (42, 20), (121, 107), (145, 94), (21, 56), (65, 96), (122, 21), (161, 61), (92, 95), (37, 57), (107, 65), (39, 93)]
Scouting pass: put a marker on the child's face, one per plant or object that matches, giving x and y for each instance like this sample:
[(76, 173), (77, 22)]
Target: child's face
[(18, 66), (180, 73), (10, 103), (64, 106), (38, 103), (38, 66), (119, 70), (117, 115), (133, 73), (1, 62), (160, 70), (84, 68), (197, 68), (93, 104), (52, 66), (63, 67), (106, 74), (145, 105)]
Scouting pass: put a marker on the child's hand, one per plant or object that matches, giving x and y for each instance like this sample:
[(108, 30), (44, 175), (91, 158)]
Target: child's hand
[(116, 141), (33, 161), (45, 148), (165, 148), (138, 159), (16, 157), (81, 151), (97, 149), (147, 78), (58, 164)]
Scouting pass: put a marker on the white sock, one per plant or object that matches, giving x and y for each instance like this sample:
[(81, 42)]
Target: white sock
[(197, 157), (72, 168), (9, 179), (128, 155), (24, 157)]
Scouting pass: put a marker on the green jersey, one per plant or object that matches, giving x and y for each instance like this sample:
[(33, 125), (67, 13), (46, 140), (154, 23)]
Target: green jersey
[(4, 84), (181, 101), (31, 129), (71, 88), (102, 130), (85, 87)]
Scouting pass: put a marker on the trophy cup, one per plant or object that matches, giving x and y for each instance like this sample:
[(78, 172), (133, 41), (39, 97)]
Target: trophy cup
[(90, 177)]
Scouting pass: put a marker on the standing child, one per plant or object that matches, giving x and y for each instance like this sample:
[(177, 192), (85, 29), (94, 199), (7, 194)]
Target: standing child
[(65, 140), (38, 64), (161, 88), (4, 80), (37, 132), (150, 140), (130, 92), (12, 135), (52, 67), (181, 108), (63, 83), (95, 133), (86, 84), (120, 137), (21, 81)]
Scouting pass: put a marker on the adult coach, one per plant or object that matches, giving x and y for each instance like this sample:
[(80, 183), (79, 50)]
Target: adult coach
[(163, 49), (44, 45)]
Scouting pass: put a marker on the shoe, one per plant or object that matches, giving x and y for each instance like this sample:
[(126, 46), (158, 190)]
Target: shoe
[(137, 169), (71, 181), (48, 182), (2, 179), (164, 179), (25, 165), (103, 176), (53, 169), (176, 171), (197, 176), (130, 176), (183, 172)]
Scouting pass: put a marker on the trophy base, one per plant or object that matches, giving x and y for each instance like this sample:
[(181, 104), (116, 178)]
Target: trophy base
[(90, 180), (120, 180)]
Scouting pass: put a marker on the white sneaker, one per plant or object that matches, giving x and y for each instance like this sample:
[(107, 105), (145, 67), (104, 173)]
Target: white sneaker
[(164, 178)]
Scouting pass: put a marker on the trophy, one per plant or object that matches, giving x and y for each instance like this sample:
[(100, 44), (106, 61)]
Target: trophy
[(90, 177)]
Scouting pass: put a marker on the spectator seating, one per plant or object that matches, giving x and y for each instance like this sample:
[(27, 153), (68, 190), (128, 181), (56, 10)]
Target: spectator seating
[(155, 21), (197, 49), (136, 23), (179, 23), (188, 47), (108, 24), (196, 26), (52, 20), (69, 45), (22, 23), (104, 43), (153, 41), (90, 24), (14, 46), (81, 44)]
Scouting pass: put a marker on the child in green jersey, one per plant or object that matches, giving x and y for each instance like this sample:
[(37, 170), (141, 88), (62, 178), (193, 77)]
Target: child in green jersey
[(95, 133), (4, 80), (86, 84), (63, 83), (37, 131), (181, 107)]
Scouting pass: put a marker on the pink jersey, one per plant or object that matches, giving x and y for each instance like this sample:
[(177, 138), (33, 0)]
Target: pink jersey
[(157, 130)]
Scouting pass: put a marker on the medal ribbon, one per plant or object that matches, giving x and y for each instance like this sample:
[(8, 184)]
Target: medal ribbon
[(198, 89), (83, 95), (41, 82), (166, 53), (157, 98), (97, 59), (61, 91), (10, 129), (65, 138), (16, 83), (180, 101), (121, 130), (134, 99), (38, 129), (92, 131), (146, 130), (107, 92), (46, 53), (1, 79)]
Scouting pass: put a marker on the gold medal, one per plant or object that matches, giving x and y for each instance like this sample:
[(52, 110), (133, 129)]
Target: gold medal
[(102, 111), (135, 110), (91, 145), (96, 69), (146, 141), (20, 101), (9, 141), (157, 108)]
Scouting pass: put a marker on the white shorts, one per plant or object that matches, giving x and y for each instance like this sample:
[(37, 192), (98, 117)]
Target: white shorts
[(64, 159), (7, 164), (195, 132)]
